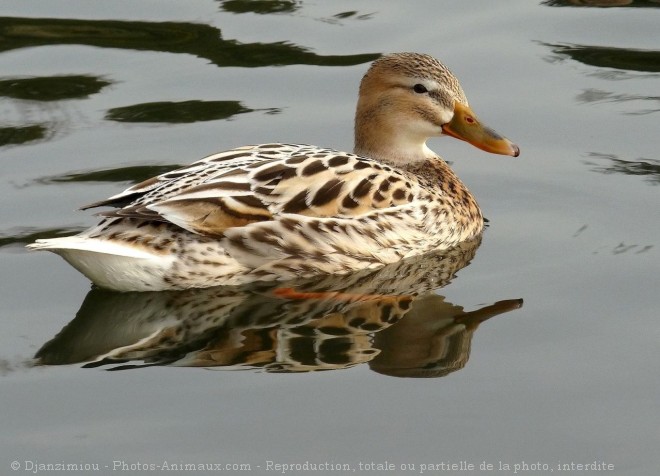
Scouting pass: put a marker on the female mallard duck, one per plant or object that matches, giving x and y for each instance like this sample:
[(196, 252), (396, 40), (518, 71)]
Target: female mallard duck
[(277, 211)]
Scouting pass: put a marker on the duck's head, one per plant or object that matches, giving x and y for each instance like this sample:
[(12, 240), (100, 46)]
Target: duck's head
[(406, 98)]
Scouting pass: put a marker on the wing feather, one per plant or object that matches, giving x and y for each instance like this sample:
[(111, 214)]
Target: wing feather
[(261, 183)]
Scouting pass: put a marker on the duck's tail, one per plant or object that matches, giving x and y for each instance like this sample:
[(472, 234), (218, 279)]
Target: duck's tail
[(110, 264)]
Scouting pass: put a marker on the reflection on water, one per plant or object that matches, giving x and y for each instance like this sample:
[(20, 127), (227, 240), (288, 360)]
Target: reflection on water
[(261, 7), (649, 169), (338, 18), (43, 89), (619, 248), (390, 318), (183, 112), (203, 41), (125, 175), (24, 236), (602, 3), (597, 95), (627, 59), (200, 40), (52, 88), (128, 175), (623, 61), (22, 134), (434, 339), (264, 7)]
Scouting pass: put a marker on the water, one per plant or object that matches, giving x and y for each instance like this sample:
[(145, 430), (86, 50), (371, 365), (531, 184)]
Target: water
[(97, 95)]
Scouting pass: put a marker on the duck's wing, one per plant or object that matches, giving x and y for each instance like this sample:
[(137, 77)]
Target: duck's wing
[(264, 183), (176, 181)]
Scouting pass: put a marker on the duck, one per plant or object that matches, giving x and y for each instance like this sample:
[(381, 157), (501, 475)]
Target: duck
[(280, 211)]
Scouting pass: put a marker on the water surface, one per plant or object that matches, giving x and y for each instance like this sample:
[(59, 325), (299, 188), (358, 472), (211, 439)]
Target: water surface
[(98, 95)]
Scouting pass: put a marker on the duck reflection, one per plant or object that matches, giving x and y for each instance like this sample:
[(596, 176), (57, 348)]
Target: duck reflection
[(329, 322), (434, 339)]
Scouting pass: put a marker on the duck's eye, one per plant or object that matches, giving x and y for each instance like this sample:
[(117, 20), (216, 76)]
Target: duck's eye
[(420, 89)]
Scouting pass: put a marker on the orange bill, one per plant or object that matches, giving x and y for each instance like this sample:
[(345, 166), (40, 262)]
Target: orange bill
[(465, 126)]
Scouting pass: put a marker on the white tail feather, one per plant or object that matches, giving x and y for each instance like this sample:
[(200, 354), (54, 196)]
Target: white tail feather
[(83, 243), (109, 264)]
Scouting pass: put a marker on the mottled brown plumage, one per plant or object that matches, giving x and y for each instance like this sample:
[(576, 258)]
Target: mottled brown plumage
[(278, 211)]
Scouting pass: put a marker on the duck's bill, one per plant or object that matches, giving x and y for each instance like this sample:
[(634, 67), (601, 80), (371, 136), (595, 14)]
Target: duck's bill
[(465, 126)]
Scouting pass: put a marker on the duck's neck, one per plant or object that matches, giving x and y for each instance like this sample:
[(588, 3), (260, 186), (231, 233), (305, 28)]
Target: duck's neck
[(376, 136)]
